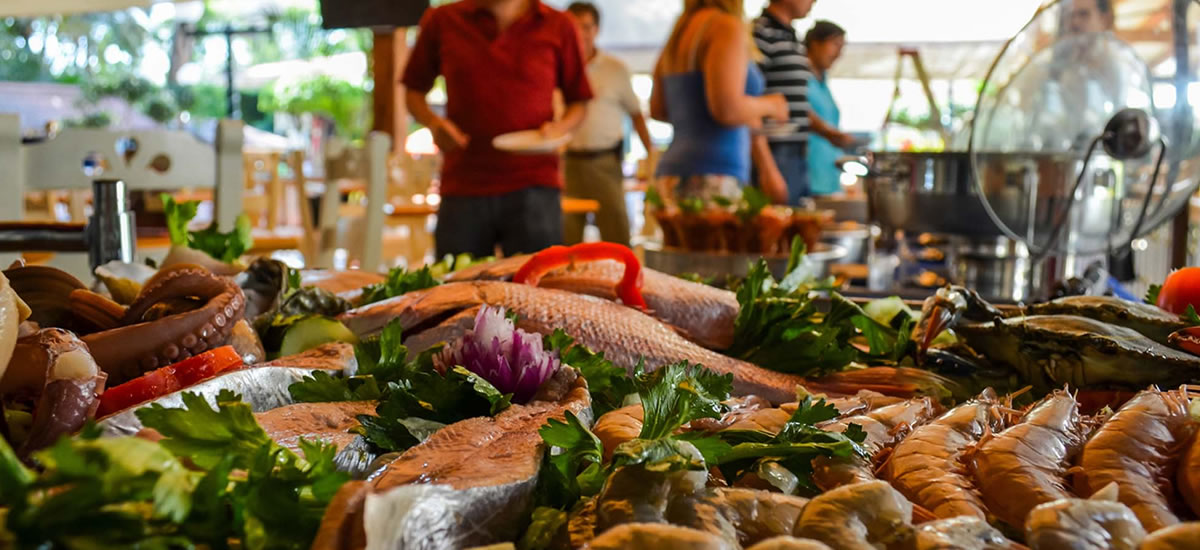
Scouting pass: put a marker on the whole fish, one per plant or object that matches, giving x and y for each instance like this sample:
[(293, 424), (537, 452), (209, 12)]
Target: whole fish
[(624, 334), (701, 313)]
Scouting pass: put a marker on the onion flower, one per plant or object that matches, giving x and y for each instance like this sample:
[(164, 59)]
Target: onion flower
[(512, 360)]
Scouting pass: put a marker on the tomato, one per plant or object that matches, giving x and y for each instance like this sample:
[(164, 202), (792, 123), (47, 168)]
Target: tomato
[(1181, 289), (206, 365), (168, 379), (151, 385)]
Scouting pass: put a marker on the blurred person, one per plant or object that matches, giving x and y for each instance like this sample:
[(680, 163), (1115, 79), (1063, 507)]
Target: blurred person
[(788, 71), (1084, 16), (502, 61), (824, 42), (708, 88), (593, 159)]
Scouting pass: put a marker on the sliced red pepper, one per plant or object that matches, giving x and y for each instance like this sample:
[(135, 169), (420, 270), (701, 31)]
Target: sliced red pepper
[(629, 289), (168, 379)]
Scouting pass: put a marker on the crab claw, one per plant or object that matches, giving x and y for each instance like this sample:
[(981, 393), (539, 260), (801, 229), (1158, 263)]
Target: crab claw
[(1187, 339), (935, 321)]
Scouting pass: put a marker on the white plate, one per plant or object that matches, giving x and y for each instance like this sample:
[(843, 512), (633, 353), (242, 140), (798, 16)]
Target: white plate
[(529, 141), (775, 129)]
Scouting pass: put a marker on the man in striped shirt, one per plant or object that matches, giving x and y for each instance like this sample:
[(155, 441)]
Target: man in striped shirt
[(785, 63)]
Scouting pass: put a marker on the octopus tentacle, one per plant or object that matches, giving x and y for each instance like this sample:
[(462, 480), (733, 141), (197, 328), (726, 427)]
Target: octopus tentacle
[(131, 350)]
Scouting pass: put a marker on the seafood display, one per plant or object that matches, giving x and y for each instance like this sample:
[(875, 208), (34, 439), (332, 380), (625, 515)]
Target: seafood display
[(573, 400)]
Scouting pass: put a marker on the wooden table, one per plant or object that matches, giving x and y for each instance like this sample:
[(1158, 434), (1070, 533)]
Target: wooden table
[(569, 206)]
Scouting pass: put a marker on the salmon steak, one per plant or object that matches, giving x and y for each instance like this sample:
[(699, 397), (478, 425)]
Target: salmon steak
[(471, 483)]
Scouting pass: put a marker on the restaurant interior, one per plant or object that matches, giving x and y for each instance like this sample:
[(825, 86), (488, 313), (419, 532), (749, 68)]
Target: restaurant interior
[(549, 275)]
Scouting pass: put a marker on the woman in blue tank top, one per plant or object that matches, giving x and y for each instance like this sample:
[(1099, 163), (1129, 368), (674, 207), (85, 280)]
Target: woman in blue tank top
[(706, 86)]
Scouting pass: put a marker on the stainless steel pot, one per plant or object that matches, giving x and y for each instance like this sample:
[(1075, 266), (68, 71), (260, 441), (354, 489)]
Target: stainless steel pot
[(936, 193), (853, 239)]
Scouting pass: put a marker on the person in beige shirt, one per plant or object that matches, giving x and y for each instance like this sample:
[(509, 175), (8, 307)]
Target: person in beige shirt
[(593, 158)]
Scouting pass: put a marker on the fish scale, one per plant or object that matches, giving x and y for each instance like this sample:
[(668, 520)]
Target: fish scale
[(624, 335)]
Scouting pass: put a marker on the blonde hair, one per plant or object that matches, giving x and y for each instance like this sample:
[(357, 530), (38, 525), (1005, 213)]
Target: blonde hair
[(690, 7)]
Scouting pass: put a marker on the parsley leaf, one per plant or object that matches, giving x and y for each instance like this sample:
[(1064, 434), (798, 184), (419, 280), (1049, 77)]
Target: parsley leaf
[(607, 383), (1190, 316), (676, 394), (178, 215), (1152, 294), (128, 492), (578, 465), (793, 448), (545, 525), (399, 281), (206, 435)]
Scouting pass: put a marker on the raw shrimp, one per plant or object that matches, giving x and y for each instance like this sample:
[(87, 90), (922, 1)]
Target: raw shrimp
[(1182, 536), (926, 466), (745, 516), (1025, 465), (961, 533), (618, 426), (862, 516), (1138, 449), (884, 426), (1097, 523), (789, 543), (657, 536), (1188, 480)]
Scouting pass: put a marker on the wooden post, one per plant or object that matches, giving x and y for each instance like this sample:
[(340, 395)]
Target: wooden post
[(390, 52), (231, 179)]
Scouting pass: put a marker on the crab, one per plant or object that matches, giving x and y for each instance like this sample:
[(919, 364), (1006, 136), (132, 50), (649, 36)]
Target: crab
[(1094, 346)]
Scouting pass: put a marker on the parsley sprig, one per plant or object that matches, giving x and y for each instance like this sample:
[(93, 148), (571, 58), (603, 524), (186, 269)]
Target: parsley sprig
[(215, 480), (414, 398)]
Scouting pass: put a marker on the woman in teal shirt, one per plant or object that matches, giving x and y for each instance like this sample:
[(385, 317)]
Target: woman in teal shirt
[(824, 42)]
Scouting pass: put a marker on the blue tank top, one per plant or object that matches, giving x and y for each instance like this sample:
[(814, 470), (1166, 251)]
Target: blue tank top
[(701, 145)]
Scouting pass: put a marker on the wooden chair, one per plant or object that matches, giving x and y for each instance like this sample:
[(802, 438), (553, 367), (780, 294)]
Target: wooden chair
[(145, 159), (357, 226)]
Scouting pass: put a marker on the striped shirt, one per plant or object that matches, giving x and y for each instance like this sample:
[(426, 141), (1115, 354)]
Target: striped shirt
[(785, 64)]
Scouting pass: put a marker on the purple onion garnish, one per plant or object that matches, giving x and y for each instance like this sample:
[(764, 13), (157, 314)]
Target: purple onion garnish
[(514, 361)]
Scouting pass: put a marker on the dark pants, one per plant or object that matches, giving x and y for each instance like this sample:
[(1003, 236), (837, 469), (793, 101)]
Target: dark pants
[(520, 222), (792, 159)]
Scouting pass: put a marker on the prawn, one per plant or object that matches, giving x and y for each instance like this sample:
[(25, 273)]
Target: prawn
[(926, 466), (1097, 523), (1138, 449), (884, 427), (1181, 536), (858, 516), (1188, 478), (788, 543), (1025, 465), (961, 533)]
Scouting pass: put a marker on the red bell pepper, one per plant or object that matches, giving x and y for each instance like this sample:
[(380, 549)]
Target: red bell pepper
[(168, 379), (629, 289)]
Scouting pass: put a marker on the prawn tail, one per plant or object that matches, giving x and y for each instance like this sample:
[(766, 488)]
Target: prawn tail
[(921, 514), (904, 382)]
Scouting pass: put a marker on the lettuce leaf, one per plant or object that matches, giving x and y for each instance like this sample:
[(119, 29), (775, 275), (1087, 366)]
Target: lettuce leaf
[(224, 247)]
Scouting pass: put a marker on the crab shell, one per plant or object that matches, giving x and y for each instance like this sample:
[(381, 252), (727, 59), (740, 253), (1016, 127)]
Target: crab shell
[(1052, 350), (1149, 320)]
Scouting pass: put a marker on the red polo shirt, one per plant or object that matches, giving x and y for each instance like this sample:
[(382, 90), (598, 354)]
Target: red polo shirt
[(497, 82)]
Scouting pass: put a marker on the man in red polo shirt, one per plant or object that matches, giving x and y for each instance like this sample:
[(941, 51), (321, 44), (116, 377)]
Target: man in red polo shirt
[(502, 61)]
